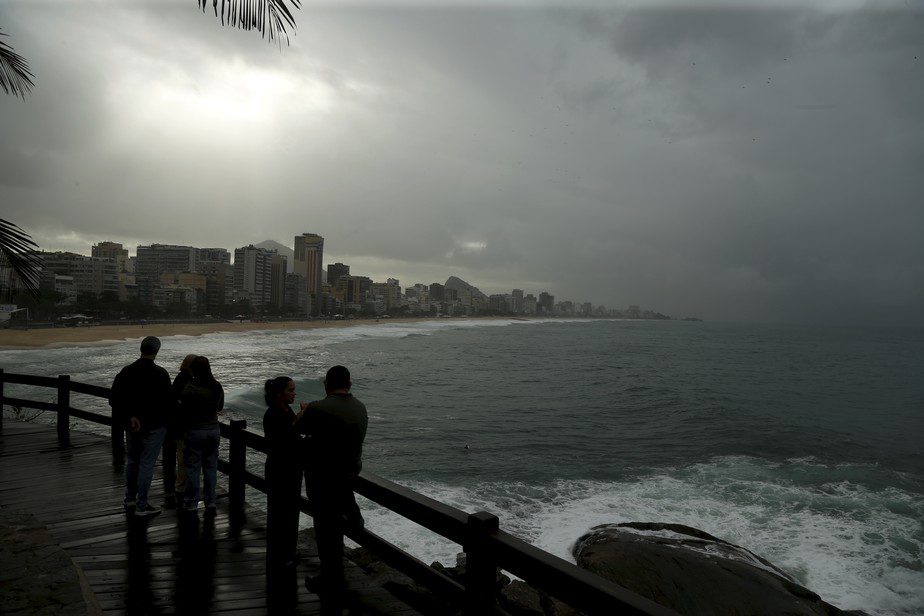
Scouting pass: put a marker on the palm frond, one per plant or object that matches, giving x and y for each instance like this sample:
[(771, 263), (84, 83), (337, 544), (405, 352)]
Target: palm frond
[(270, 17), (15, 76), (18, 249)]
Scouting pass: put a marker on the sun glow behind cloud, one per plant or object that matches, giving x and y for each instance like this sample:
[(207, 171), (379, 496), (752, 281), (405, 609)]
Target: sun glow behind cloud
[(228, 101)]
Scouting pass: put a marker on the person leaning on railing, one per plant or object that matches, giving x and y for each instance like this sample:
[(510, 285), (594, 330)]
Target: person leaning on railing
[(336, 428), (283, 471)]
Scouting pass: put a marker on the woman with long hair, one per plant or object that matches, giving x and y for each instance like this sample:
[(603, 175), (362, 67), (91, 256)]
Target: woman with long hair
[(283, 472), (203, 400), (174, 464)]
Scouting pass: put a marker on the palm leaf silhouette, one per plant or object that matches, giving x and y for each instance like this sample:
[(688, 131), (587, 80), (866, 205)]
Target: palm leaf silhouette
[(21, 253), (15, 76), (270, 17)]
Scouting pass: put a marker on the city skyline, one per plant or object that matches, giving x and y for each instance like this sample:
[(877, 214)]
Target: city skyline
[(170, 269), (757, 164)]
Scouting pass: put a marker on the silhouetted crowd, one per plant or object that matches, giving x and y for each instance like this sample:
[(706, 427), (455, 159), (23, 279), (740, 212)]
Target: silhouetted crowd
[(322, 442)]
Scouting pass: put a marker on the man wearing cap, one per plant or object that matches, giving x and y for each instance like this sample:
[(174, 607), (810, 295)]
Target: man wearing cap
[(141, 399), (336, 428)]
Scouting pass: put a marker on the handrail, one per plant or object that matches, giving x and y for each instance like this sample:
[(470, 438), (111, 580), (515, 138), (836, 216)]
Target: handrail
[(486, 546)]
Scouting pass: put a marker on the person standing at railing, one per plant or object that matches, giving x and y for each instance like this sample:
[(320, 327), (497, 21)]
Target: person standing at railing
[(174, 465), (336, 429), (283, 472), (141, 400), (203, 400)]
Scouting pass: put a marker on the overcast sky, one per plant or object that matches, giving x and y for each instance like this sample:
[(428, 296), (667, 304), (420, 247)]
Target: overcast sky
[(737, 164)]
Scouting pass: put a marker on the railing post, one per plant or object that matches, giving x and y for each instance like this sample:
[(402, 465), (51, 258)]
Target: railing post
[(480, 564), (117, 437), (1, 400), (64, 404), (237, 457)]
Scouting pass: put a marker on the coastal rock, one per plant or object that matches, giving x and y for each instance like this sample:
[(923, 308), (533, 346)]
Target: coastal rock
[(693, 572)]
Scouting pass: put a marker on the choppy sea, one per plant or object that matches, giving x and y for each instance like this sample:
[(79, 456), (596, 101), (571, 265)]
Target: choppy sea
[(803, 444)]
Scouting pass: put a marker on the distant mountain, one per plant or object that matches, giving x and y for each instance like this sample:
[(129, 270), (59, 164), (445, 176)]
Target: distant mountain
[(460, 285), (285, 251)]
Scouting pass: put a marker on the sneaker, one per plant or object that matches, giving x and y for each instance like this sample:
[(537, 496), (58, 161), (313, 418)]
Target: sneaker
[(147, 511), (128, 503)]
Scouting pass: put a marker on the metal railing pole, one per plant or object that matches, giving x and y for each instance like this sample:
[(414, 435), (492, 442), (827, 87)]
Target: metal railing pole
[(1, 400)]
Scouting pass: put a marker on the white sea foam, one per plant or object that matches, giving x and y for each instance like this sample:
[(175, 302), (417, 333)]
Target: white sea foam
[(848, 543)]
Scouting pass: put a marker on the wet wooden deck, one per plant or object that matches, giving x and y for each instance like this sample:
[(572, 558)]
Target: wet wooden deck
[(170, 564)]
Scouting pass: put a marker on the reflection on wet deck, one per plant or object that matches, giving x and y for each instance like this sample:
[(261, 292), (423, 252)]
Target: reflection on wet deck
[(170, 564)]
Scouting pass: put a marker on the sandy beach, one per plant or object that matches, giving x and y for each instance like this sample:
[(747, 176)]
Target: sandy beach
[(67, 336)]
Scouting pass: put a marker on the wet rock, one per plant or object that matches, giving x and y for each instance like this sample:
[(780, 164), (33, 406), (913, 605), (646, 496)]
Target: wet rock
[(693, 572)]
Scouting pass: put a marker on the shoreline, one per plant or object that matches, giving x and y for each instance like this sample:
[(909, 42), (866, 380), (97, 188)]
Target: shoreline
[(58, 337)]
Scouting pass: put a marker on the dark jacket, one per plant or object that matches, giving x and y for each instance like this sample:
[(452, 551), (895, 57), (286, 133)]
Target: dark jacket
[(336, 429), (174, 423), (142, 390), (201, 404), (282, 441)]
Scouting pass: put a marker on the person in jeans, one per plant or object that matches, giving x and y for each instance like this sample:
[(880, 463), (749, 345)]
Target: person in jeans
[(141, 400), (336, 428), (202, 401), (174, 465)]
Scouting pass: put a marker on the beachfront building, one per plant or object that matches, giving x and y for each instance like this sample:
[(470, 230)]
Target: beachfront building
[(296, 299), (335, 271), (389, 293), (219, 255), (253, 275), (91, 275), (529, 304), (546, 304), (309, 256), (516, 301), (124, 265), (156, 259)]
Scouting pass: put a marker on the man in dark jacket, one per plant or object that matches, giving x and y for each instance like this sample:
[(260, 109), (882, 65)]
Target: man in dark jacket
[(336, 428), (141, 399)]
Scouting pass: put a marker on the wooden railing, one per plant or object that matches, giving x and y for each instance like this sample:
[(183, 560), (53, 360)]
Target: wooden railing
[(486, 546)]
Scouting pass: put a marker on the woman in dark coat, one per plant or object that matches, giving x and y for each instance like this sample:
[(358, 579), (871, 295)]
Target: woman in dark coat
[(203, 400), (283, 472)]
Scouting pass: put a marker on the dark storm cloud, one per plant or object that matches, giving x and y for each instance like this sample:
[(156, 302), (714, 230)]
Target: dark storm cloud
[(760, 164)]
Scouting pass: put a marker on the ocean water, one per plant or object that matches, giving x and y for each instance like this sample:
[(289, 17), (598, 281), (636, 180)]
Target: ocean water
[(803, 444)]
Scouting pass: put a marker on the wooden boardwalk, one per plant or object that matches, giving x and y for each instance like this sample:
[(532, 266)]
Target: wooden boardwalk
[(170, 564)]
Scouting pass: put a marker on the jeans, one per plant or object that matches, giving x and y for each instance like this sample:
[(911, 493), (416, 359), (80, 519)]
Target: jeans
[(201, 452), (141, 456)]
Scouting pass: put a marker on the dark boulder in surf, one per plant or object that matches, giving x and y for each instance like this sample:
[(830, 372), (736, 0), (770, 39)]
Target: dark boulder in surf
[(693, 572)]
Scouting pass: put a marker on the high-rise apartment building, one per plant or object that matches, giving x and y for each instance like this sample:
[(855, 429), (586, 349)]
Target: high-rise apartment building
[(546, 303), (91, 275), (156, 259), (335, 271), (516, 300), (278, 281), (253, 275), (220, 255), (529, 304), (309, 256), (111, 250)]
